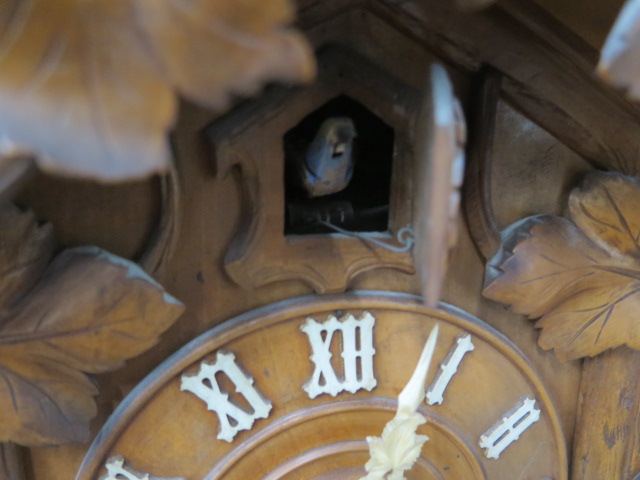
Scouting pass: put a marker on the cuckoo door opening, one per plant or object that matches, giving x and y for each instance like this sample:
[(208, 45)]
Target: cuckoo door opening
[(338, 164)]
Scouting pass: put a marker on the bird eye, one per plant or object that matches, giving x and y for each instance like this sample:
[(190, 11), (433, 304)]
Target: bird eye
[(338, 149)]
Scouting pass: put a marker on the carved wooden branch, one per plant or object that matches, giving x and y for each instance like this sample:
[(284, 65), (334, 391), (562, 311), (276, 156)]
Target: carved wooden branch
[(477, 198), (607, 438), (162, 243)]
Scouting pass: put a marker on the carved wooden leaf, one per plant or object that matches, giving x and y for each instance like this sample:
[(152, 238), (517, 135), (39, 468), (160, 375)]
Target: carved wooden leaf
[(25, 250), (89, 312), (581, 275), (620, 57), (88, 85), (605, 208)]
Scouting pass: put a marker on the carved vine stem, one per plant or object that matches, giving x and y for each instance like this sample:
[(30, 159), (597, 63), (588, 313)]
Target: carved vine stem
[(163, 240), (477, 194), (607, 440)]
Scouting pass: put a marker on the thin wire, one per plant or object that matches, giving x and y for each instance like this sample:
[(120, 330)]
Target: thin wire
[(405, 237)]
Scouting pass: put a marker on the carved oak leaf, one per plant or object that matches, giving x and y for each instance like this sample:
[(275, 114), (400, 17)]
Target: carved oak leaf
[(580, 275), (88, 312), (88, 85), (25, 251)]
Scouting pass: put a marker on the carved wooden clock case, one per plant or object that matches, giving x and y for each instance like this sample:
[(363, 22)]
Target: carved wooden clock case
[(273, 371)]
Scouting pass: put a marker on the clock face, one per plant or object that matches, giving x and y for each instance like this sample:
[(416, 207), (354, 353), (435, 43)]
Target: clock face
[(292, 390)]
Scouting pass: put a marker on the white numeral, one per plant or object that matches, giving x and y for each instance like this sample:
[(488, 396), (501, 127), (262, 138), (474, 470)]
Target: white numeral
[(205, 386), (510, 427), (448, 368), (324, 378), (117, 471)]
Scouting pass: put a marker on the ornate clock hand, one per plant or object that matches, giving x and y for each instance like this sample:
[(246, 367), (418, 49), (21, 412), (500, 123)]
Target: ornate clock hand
[(399, 447)]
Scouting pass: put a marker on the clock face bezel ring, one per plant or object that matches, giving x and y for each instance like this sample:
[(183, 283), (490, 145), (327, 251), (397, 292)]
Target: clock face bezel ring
[(422, 465), (336, 407), (251, 323)]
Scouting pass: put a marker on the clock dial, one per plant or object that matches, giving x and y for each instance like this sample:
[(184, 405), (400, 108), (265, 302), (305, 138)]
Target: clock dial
[(291, 391)]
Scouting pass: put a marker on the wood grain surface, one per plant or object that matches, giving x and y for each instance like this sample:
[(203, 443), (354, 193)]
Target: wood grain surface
[(607, 439), (549, 130), (89, 88)]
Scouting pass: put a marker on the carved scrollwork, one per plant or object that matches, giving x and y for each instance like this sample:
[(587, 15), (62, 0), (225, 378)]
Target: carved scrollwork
[(162, 243), (249, 141)]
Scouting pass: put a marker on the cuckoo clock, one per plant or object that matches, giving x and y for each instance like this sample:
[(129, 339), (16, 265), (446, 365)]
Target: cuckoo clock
[(300, 251)]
